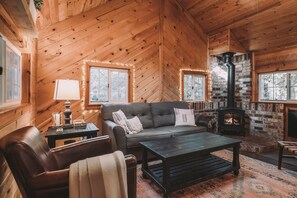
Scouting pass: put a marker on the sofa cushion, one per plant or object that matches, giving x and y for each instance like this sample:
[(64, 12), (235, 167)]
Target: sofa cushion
[(160, 133), (163, 112), (141, 110), (183, 130), (146, 135)]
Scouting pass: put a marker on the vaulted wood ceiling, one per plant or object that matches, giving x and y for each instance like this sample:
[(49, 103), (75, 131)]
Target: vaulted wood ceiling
[(53, 11), (257, 24)]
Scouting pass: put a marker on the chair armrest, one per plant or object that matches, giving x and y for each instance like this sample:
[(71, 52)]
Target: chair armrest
[(50, 179), (59, 179), (131, 164), (118, 133), (67, 154)]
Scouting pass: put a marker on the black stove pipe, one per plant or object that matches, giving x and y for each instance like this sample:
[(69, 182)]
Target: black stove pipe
[(231, 78)]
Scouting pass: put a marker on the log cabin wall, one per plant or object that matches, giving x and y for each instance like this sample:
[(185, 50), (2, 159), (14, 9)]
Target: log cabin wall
[(184, 48), (119, 32), (12, 118)]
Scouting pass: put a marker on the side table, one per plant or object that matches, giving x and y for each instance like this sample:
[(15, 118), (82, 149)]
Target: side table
[(52, 135)]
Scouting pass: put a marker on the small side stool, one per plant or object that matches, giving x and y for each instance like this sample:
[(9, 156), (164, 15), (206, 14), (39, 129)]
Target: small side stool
[(289, 146)]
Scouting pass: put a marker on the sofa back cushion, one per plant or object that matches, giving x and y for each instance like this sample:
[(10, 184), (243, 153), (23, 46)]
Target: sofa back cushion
[(141, 110), (163, 112)]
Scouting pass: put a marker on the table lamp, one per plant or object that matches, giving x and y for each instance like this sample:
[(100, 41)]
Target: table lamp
[(67, 90)]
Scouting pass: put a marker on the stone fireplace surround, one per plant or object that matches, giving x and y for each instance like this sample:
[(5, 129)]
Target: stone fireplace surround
[(261, 119)]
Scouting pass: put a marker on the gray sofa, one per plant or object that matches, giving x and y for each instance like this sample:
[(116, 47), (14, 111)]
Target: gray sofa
[(158, 120)]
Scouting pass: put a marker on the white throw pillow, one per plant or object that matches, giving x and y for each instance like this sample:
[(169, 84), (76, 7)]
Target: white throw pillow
[(134, 125), (120, 118), (184, 117)]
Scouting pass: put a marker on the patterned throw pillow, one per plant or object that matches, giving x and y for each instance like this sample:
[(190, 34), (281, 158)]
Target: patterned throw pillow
[(184, 117), (120, 118), (134, 125)]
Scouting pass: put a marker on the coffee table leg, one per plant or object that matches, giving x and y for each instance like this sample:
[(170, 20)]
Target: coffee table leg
[(144, 162), (236, 164), (166, 178)]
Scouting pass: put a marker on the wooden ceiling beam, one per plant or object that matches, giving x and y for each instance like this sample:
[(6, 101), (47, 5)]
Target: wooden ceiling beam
[(20, 13), (193, 22), (11, 25)]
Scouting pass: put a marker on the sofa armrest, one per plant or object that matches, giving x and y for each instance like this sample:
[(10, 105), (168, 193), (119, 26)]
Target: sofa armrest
[(67, 154), (118, 133), (201, 120), (59, 179)]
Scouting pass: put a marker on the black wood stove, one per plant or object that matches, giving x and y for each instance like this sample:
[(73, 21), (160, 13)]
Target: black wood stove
[(230, 119)]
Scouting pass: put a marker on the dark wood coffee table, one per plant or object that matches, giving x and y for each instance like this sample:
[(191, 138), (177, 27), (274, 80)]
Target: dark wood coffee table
[(186, 160)]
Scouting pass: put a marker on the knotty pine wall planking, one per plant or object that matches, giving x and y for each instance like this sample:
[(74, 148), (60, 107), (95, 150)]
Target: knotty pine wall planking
[(24, 115), (272, 61), (138, 33), (183, 49), (124, 32)]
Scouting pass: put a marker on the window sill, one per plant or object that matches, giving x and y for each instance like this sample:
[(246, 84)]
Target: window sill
[(13, 107)]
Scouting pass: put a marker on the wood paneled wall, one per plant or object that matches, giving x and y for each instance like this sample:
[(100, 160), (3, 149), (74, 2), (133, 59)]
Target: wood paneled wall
[(277, 60), (122, 32), (156, 37), (272, 61), (13, 118), (183, 48)]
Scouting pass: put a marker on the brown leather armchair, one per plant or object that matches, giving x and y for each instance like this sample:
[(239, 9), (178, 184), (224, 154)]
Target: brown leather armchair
[(43, 172)]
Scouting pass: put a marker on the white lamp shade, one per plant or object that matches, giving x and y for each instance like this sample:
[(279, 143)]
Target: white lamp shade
[(67, 90)]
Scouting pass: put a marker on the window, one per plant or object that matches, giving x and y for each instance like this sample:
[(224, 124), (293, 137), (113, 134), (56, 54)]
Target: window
[(10, 77), (193, 87), (108, 85), (278, 86)]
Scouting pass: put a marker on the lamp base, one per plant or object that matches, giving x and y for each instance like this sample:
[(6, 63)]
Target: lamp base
[(67, 114)]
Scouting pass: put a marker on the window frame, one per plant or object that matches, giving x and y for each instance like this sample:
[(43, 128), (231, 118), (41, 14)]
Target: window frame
[(110, 67), (194, 73), (287, 86), (4, 102)]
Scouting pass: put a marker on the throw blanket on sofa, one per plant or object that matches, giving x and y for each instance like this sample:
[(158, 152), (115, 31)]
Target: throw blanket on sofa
[(102, 176)]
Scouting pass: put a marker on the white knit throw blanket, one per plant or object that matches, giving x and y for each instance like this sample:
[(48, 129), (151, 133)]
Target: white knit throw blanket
[(103, 176)]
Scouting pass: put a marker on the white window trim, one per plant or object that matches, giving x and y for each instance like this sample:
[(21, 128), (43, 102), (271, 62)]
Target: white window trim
[(6, 43), (109, 86), (193, 90), (287, 87)]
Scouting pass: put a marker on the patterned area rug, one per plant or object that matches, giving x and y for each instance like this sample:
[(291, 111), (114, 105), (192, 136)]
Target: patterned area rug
[(256, 179)]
